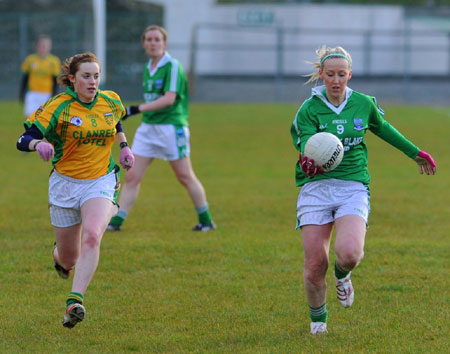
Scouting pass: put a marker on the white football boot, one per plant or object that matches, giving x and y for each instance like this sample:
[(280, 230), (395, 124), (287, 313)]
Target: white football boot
[(344, 289), (318, 327), (74, 313)]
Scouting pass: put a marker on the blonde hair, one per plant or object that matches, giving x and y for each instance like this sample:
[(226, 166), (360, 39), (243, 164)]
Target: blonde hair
[(323, 53), (155, 28), (72, 65)]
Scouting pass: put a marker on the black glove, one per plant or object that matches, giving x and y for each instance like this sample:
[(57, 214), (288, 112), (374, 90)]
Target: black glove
[(131, 111)]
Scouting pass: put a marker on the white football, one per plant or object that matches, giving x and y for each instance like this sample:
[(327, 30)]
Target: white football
[(326, 149)]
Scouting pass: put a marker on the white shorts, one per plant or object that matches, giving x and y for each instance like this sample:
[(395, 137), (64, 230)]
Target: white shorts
[(66, 195), (321, 202), (161, 141), (33, 100)]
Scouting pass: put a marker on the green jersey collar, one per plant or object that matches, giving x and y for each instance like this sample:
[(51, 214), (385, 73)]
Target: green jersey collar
[(319, 91), (163, 61), (72, 93)]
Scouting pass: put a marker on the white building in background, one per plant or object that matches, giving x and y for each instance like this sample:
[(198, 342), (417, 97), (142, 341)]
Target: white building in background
[(277, 39)]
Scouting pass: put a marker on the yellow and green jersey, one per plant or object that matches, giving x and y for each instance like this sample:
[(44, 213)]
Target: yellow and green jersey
[(82, 134), (167, 76), (349, 122), (41, 72)]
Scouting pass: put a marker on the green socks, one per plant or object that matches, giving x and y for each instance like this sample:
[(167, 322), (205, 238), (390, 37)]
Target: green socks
[(204, 217), (340, 272), (119, 218), (74, 298), (318, 314)]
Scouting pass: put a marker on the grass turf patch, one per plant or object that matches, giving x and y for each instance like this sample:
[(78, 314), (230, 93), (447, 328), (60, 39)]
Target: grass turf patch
[(162, 288)]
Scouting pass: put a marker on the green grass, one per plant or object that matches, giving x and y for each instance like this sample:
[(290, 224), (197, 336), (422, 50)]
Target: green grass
[(162, 288)]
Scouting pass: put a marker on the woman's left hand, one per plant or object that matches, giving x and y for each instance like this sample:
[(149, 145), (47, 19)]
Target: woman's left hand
[(126, 158), (425, 163)]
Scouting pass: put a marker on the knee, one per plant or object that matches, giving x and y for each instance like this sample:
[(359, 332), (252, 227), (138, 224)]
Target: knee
[(131, 179), (185, 178), (314, 271), (349, 258), (92, 236)]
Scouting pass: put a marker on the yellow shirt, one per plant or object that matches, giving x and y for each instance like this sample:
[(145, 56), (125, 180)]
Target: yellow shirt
[(41, 72), (82, 134)]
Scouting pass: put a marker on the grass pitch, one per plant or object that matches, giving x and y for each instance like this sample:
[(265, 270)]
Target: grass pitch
[(162, 288)]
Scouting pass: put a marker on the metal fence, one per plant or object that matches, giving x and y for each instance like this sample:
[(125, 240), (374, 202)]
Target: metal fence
[(282, 51), (71, 34), (408, 59), (223, 58)]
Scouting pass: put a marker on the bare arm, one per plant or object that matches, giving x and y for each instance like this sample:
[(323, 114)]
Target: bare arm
[(121, 138), (164, 101)]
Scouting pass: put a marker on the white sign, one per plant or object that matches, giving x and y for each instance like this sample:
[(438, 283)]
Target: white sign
[(255, 17)]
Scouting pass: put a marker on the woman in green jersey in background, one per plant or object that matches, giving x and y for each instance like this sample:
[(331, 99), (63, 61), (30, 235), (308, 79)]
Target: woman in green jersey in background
[(341, 196), (164, 131)]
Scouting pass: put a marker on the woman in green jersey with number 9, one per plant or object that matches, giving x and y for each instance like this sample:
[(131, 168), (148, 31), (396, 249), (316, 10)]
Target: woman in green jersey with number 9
[(164, 132), (341, 196)]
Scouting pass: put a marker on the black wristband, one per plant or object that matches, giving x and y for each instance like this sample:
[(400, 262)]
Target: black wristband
[(123, 144), (36, 143), (132, 110)]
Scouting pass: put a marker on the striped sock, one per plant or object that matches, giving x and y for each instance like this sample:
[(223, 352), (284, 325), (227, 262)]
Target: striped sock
[(204, 217), (318, 314), (73, 297), (340, 272)]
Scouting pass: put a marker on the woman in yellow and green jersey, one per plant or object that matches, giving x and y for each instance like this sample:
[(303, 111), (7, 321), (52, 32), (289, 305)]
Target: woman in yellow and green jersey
[(79, 127), (40, 71)]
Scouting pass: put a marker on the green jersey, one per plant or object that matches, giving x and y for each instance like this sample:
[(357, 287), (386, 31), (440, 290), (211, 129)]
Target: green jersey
[(167, 76), (349, 122)]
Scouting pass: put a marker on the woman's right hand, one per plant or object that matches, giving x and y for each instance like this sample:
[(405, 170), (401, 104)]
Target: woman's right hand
[(45, 150), (308, 167)]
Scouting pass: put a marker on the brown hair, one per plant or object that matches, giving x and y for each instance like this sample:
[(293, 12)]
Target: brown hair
[(155, 28), (72, 65), (323, 52)]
